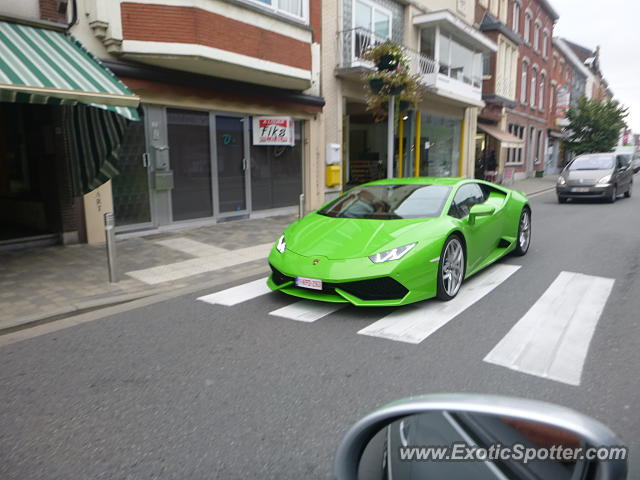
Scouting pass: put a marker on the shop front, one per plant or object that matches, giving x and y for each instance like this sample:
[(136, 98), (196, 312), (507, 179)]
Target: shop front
[(204, 157), (62, 118), (425, 144)]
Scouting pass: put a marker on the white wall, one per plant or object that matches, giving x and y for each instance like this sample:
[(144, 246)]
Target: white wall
[(20, 8)]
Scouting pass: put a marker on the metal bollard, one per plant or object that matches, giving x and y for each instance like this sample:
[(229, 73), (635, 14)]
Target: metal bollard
[(301, 206), (110, 234)]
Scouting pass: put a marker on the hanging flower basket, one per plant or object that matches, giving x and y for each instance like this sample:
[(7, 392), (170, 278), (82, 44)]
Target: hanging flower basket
[(388, 62), (396, 89), (376, 84), (404, 105)]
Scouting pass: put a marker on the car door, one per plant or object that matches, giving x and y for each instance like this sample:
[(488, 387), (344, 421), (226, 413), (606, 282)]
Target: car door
[(482, 237), (624, 172)]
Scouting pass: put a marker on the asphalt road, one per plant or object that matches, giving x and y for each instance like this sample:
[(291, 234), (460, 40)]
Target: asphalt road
[(183, 389)]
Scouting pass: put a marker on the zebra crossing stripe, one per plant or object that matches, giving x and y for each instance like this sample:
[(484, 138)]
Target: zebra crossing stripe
[(307, 310), (414, 323), (241, 293), (552, 339)]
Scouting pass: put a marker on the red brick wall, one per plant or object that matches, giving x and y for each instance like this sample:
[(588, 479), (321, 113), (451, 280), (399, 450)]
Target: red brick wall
[(49, 11), (162, 23), (561, 74), (315, 19), (535, 57)]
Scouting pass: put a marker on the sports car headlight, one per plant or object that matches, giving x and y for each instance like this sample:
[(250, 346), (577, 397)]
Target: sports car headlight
[(281, 246), (562, 181), (393, 254), (604, 180)]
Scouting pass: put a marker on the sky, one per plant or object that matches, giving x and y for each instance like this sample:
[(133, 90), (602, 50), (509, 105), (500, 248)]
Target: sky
[(615, 26)]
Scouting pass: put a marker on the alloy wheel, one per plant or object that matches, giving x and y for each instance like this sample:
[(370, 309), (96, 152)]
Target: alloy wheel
[(525, 231), (453, 267)]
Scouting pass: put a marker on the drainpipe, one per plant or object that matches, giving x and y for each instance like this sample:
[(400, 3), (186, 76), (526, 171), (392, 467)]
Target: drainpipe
[(74, 15)]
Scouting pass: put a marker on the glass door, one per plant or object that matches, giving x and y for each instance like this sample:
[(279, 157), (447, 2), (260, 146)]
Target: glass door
[(190, 147), (131, 196), (232, 164)]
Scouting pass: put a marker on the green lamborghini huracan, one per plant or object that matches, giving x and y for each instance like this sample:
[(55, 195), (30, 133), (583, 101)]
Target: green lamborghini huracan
[(398, 241)]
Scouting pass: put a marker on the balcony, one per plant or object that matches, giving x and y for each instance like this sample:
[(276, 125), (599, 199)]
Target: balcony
[(455, 82)]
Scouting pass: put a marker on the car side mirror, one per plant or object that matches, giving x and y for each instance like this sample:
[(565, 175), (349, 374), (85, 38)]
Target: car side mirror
[(480, 210), (481, 437)]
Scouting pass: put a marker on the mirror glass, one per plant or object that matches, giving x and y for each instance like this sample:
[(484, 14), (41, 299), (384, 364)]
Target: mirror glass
[(461, 445)]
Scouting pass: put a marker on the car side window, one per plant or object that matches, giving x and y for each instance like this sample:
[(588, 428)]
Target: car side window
[(623, 161), (467, 196)]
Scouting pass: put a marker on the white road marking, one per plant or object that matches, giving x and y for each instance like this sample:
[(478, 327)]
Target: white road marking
[(412, 324), (192, 247), (552, 339), (195, 266), (307, 310), (241, 293)]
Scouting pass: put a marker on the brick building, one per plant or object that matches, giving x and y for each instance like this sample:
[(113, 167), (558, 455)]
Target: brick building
[(210, 75)]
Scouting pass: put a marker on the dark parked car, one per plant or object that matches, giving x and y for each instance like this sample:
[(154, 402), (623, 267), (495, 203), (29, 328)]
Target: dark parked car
[(596, 175)]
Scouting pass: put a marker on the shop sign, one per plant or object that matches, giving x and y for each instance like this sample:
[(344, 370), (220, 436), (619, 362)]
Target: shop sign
[(563, 101), (273, 131)]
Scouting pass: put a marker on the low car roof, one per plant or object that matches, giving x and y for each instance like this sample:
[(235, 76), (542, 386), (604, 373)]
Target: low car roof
[(420, 181)]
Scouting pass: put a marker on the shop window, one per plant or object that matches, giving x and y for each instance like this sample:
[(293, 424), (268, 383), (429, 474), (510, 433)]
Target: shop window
[(190, 157), (276, 173), (442, 136)]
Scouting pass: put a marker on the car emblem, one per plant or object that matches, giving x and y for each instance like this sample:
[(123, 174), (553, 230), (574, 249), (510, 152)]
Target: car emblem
[(316, 261)]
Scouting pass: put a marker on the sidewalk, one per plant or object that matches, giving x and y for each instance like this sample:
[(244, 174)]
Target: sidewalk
[(45, 283), (532, 186)]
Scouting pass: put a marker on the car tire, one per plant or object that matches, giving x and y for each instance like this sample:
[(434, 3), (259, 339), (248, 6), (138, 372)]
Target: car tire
[(614, 195), (562, 199), (451, 264), (523, 240), (627, 194)]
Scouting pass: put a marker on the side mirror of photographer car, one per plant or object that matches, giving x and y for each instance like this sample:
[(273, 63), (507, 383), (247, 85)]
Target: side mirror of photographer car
[(463, 436)]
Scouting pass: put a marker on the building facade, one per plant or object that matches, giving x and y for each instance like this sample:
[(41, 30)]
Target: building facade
[(444, 50), (497, 141), (62, 114), (529, 117), (231, 106)]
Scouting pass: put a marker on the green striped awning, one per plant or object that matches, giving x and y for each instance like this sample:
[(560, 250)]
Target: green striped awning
[(95, 137), (45, 66)]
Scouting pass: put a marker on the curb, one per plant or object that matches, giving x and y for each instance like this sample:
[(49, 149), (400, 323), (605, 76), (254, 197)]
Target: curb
[(95, 309), (78, 308), (537, 192)]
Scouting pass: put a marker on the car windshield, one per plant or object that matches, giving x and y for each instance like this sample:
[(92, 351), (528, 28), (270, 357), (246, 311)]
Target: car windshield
[(592, 162), (389, 202)]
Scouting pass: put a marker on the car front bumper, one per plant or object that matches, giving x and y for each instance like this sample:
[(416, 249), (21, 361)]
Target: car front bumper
[(581, 191), (358, 281)]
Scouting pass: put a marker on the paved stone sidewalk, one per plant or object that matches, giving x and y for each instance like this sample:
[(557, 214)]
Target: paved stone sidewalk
[(43, 283)]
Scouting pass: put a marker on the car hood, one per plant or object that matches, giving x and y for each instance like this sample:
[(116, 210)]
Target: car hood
[(587, 176), (342, 238)]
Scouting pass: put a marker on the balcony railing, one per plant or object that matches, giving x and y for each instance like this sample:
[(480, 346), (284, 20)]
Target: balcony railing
[(355, 42)]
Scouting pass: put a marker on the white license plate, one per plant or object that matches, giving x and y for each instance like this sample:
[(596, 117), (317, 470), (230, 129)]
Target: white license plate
[(312, 283), (580, 189)]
